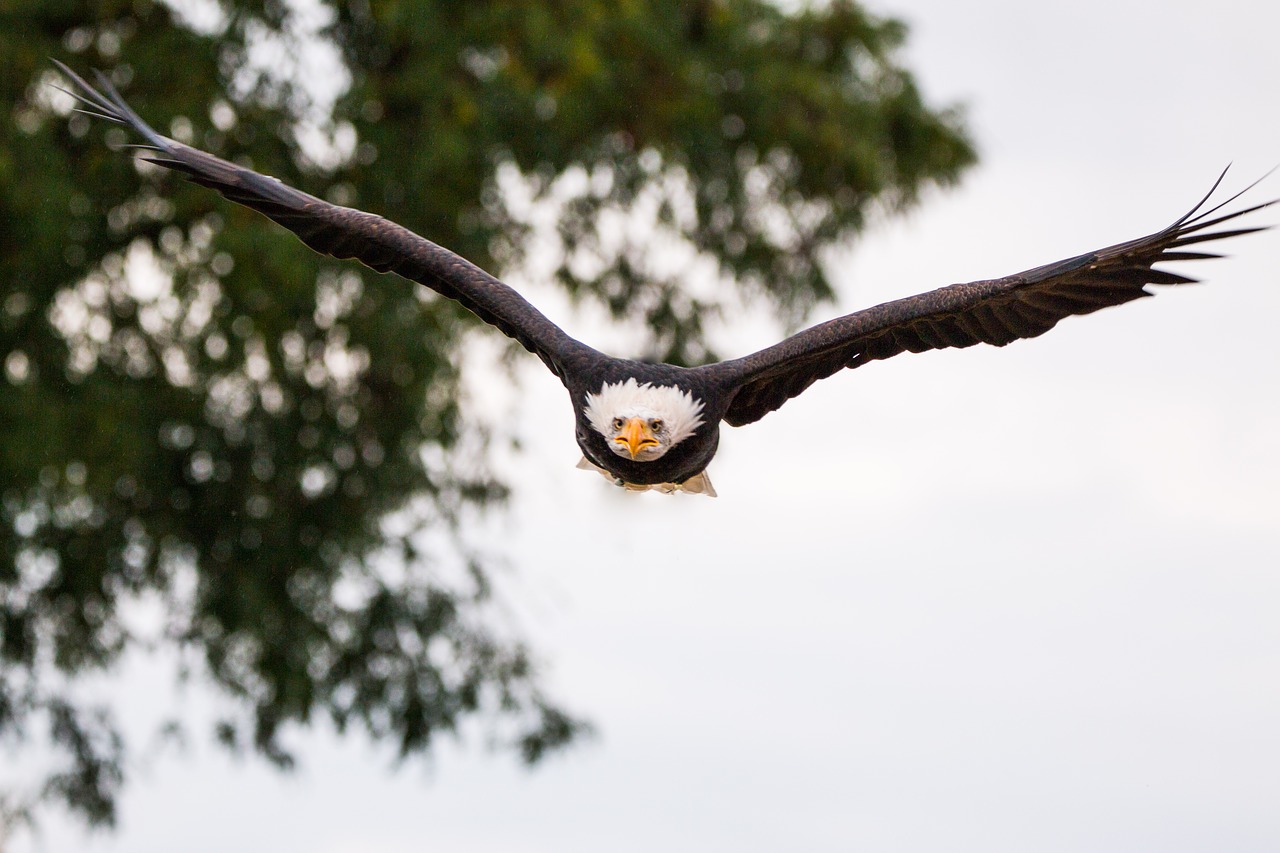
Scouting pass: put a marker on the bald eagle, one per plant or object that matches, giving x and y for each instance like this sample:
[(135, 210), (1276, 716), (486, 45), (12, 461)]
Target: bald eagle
[(656, 426)]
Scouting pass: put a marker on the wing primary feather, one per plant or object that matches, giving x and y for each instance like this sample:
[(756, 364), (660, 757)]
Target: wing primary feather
[(1166, 277), (1217, 235), (1187, 256), (1213, 189), (1198, 225), (90, 98), (1226, 201), (95, 114)]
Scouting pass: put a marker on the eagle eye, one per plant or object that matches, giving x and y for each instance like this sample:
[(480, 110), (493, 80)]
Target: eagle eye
[(656, 424), (619, 423)]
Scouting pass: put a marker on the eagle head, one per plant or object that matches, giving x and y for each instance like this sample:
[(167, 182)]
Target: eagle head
[(641, 422)]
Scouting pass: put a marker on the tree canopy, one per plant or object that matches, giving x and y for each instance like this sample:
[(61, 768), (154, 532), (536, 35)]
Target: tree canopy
[(265, 446)]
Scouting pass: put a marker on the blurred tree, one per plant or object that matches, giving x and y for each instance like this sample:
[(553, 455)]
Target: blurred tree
[(205, 421)]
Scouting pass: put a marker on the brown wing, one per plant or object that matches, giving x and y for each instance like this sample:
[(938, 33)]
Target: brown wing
[(346, 233), (992, 312)]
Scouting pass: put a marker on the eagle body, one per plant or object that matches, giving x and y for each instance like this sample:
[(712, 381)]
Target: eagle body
[(657, 426), (686, 459)]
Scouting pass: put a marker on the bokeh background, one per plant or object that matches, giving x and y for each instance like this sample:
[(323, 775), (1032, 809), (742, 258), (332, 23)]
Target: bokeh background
[(987, 600)]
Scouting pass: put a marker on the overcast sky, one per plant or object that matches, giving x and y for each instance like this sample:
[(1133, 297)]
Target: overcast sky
[(982, 600)]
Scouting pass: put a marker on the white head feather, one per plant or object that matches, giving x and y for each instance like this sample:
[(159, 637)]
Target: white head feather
[(679, 412)]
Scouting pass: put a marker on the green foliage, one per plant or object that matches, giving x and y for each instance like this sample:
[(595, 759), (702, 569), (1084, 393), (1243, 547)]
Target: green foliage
[(202, 415)]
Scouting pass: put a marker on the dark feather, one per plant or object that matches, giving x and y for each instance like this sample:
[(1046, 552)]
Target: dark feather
[(343, 232), (994, 312)]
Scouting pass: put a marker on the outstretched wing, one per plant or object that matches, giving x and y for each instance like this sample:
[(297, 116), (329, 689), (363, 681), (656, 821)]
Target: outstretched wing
[(343, 232), (992, 312)]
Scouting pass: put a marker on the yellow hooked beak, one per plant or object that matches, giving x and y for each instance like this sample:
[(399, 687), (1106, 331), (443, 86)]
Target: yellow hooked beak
[(636, 436)]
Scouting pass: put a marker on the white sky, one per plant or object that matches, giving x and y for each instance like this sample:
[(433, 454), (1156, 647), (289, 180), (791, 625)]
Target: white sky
[(1032, 604)]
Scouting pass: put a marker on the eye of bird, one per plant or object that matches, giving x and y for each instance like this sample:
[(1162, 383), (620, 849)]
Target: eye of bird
[(618, 423), (656, 425)]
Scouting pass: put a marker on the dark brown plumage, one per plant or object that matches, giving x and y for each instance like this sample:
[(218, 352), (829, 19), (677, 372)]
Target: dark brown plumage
[(739, 391), (999, 311)]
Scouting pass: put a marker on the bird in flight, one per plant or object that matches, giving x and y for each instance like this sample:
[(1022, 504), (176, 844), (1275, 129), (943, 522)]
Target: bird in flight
[(656, 426)]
